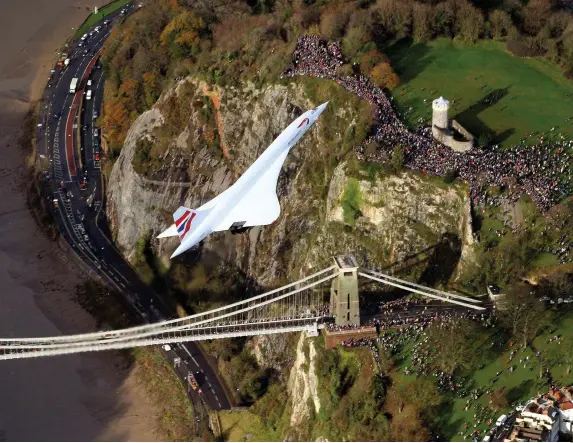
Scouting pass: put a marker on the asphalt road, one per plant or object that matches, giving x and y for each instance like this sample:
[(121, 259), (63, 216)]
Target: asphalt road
[(80, 213)]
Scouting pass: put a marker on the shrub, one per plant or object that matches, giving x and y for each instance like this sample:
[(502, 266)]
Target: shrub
[(351, 202), (398, 158)]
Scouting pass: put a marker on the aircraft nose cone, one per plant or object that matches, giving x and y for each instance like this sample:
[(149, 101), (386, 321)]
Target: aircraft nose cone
[(322, 108)]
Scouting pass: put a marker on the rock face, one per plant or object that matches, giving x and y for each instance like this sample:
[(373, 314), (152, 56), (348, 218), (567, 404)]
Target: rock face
[(401, 214), (303, 383)]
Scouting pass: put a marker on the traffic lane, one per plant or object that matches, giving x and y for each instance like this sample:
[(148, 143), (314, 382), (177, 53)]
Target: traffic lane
[(199, 357), (207, 381), (213, 393)]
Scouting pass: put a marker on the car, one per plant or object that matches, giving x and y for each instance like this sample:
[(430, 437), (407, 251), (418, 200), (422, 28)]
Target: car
[(96, 132), (97, 28), (84, 37), (89, 94), (89, 82), (106, 22), (57, 115), (98, 66), (96, 157), (96, 150), (95, 114), (166, 348), (80, 44)]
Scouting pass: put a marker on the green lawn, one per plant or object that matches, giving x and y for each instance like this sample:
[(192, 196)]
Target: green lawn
[(534, 94), (520, 385), (553, 352), (94, 18), (238, 425)]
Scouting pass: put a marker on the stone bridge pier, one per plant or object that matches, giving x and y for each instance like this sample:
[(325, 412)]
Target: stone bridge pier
[(344, 301)]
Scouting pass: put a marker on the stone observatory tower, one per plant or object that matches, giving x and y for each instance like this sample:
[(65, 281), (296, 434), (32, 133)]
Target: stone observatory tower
[(449, 132), (440, 121)]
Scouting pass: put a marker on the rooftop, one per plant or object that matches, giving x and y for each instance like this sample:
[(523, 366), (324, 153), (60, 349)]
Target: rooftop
[(346, 261)]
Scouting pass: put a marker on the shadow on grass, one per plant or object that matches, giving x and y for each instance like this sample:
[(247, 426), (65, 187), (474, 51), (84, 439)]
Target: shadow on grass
[(408, 58), (469, 117), (448, 429), (520, 391)]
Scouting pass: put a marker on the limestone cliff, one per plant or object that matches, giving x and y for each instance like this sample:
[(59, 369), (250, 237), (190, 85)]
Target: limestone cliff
[(400, 214), (303, 383)]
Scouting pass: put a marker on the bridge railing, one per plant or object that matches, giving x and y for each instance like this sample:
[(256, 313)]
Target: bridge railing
[(422, 290), (171, 336), (187, 323)]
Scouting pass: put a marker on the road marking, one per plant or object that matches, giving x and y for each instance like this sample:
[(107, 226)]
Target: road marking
[(187, 350)]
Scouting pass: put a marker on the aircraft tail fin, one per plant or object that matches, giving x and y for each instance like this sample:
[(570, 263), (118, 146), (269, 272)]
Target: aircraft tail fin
[(184, 219)]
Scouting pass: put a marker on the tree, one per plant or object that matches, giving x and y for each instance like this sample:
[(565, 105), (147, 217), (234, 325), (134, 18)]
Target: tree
[(398, 158), (522, 313), (384, 76), (422, 393), (407, 426), (535, 14), (567, 350), (354, 40), (501, 24), (371, 58), (182, 34), (470, 22), (498, 399), (421, 22), (453, 343), (333, 23)]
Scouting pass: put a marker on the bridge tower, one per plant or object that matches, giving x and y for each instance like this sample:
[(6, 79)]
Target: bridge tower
[(344, 302)]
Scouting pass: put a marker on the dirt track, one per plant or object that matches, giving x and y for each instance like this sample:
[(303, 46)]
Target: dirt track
[(87, 397)]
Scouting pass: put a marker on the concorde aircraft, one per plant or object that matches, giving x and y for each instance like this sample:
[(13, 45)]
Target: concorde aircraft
[(251, 201)]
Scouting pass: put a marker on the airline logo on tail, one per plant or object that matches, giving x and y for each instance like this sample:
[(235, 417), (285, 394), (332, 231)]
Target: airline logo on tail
[(183, 223), (306, 120)]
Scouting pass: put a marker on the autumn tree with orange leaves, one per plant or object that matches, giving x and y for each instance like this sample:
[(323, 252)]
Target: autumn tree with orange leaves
[(384, 76), (182, 34)]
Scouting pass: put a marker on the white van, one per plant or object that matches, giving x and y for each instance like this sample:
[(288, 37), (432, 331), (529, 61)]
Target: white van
[(89, 94), (501, 420), (89, 82)]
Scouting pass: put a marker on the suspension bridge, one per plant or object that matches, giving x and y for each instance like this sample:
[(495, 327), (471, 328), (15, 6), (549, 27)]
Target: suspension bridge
[(305, 305)]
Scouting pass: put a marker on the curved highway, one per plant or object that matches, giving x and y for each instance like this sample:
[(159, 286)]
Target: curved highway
[(74, 180)]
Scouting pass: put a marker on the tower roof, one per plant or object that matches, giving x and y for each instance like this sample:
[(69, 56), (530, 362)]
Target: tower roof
[(441, 103)]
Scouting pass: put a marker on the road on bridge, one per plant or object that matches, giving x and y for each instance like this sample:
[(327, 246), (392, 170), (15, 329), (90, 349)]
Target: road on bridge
[(80, 214)]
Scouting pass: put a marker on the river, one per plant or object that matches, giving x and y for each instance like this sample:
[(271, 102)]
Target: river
[(81, 397)]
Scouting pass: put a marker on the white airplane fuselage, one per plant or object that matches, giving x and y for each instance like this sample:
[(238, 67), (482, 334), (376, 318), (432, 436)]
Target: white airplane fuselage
[(224, 202)]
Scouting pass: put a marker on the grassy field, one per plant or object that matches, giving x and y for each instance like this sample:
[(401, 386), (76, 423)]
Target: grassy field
[(553, 352), (520, 385), (94, 18), (237, 425), (177, 422), (533, 95)]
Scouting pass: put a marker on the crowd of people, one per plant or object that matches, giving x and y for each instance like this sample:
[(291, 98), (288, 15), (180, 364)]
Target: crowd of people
[(542, 170)]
